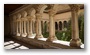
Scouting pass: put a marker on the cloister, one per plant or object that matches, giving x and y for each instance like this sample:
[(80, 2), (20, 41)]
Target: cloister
[(27, 24)]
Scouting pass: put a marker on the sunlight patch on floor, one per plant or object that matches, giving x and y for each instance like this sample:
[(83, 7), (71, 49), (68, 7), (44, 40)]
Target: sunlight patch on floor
[(6, 43), (43, 39), (16, 44), (11, 41), (11, 45), (61, 42), (23, 47)]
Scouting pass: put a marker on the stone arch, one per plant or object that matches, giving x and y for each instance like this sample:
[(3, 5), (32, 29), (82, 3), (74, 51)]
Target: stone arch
[(41, 8), (54, 8), (60, 25)]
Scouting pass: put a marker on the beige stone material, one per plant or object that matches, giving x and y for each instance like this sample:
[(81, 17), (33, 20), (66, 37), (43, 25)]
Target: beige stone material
[(38, 26), (51, 26), (33, 14), (75, 41)]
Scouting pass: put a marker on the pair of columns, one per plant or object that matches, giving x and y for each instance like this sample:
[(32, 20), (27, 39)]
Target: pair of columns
[(21, 27), (29, 32), (29, 27), (38, 26), (75, 41)]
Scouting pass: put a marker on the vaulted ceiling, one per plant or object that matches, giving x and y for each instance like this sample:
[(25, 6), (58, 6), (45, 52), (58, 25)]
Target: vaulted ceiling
[(10, 7)]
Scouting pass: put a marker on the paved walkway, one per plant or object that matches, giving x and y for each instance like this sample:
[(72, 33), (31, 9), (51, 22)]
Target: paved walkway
[(14, 44), (57, 41)]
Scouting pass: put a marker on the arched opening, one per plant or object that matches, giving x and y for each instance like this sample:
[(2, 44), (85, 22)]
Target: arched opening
[(45, 30), (65, 24), (56, 26), (60, 25)]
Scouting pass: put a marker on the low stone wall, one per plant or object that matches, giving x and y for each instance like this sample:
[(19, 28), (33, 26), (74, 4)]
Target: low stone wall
[(43, 44)]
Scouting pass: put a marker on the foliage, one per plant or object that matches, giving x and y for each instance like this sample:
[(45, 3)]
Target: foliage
[(45, 34), (81, 27), (66, 35)]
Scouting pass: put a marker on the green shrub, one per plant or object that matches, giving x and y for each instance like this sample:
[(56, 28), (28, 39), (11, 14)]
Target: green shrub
[(66, 35)]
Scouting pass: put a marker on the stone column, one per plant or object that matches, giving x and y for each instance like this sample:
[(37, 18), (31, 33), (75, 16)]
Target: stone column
[(28, 30), (33, 28), (12, 27), (38, 26), (51, 26), (75, 41), (25, 29), (30, 27), (20, 27), (17, 27)]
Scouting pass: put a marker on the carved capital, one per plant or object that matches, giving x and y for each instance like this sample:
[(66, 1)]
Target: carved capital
[(38, 16), (52, 12), (30, 17), (74, 7)]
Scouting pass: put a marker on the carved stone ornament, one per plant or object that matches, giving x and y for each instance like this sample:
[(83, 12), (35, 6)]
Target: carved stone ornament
[(74, 7)]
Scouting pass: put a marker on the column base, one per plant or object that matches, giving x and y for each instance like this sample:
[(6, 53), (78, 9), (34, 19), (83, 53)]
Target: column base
[(18, 34), (50, 39), (38, 36), (21, 34), (14, 34), (75, 42), (29, 35), (24, 34)]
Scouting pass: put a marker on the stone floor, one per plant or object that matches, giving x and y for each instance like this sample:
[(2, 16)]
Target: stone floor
[(10, 43), (57, 41), (15, 44)]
